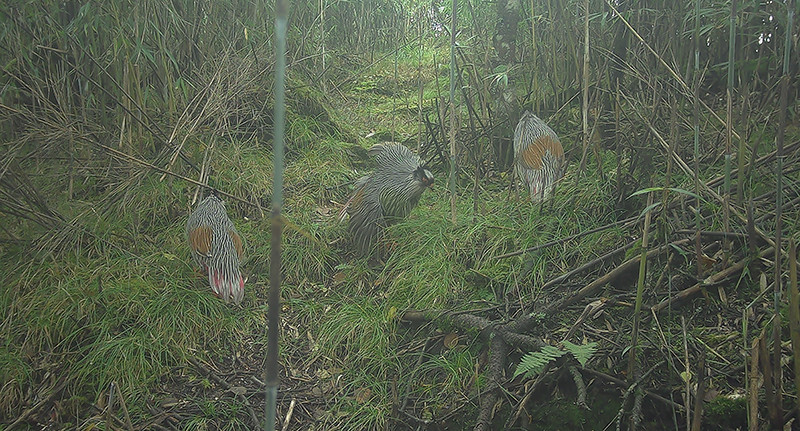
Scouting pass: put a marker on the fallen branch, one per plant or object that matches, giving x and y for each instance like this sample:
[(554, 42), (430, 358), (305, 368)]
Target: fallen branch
[(712, 234), (626, 266), (586, 266), (719, 276), (497, 363)]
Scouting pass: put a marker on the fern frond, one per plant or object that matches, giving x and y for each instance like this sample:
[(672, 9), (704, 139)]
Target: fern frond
[(581, 352), (533, 363)]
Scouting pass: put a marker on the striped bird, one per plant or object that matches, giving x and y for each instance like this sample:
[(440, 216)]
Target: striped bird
[(217, 248), (385, 196), (538, 156)]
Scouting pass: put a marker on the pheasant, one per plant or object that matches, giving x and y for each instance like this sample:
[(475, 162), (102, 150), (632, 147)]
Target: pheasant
[(217, 248), (385, 196), (538, 156)]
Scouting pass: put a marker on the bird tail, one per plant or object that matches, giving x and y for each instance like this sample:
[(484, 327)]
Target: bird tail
[(343, 212), (228, 285)]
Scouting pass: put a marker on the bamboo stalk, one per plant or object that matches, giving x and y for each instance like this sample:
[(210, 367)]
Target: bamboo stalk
[(687, 390), (452, 181), (421, 85), (322, 44), (726, 214), (273, 313), (794, 318), (681, 82), (752, 393), (639, 292), (585, 102), (697, 415), (770, 397), (696, 128), (777, 415)]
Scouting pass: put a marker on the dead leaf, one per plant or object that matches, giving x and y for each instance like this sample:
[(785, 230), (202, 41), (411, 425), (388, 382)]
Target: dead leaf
[(362, 395), (168, 402), (451, 340), (706, 263)]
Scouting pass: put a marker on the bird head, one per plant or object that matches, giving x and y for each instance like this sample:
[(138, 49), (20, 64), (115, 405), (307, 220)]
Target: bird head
[(424, 176)]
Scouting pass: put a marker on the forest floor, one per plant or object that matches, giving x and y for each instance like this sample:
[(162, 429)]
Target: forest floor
[(409, 342)]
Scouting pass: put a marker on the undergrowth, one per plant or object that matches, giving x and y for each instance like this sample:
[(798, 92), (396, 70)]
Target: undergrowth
[(126, 306)]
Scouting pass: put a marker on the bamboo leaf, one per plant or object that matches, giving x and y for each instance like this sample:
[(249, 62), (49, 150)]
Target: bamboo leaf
[(661, 189)]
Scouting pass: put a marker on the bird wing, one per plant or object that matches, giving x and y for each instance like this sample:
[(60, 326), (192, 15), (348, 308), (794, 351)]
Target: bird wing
[(200, 239), (366, 222), (237, 242), (359, 187)]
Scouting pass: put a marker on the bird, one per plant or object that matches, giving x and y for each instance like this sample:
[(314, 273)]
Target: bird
[(217, 248), (538, 156), (385, 196)]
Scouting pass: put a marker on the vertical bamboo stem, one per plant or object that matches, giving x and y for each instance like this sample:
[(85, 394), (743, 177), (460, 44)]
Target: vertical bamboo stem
[(696, 126), (322, 44), (632, 358), (687, 390), (794, 319), (697, 415), (421, 85), (752, 394), (452, 181), (776, 322), (585, 121), (726, 214), (273, 313)]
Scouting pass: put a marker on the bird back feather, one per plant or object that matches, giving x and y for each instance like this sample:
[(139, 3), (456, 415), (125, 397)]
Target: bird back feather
[(386, 195), (217, 248), (538, 156)]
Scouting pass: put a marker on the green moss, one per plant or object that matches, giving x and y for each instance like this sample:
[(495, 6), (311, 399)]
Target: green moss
[(564, 414), (725, 413)]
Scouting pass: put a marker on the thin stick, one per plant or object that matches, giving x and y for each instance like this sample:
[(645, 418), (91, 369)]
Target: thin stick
[(124, 409), (289, 415), (121, 155), (701, 392), (696, 127), (587, 265), (600, 282)]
